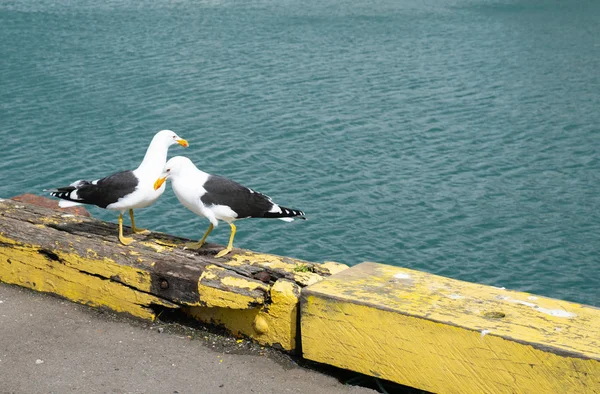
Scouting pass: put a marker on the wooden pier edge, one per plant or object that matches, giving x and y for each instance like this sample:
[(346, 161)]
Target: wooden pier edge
[(448, 336), (80, 258), (410, 327)]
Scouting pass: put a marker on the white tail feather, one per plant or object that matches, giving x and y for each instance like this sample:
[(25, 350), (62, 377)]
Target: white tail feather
[(286, 219), (67, 204)]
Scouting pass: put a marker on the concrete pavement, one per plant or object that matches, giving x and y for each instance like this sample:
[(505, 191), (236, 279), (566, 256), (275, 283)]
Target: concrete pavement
[(49, 345)]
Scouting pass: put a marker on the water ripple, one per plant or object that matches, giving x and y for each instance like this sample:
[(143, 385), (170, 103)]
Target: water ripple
[(455, 137)]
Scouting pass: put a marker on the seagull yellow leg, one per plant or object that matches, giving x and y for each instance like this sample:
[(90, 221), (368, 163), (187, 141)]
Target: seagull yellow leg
[(230, 245), (135, 229), (198, 245), (124, 240)]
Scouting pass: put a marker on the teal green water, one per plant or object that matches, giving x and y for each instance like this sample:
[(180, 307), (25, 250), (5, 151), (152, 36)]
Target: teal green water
[(459, 137)]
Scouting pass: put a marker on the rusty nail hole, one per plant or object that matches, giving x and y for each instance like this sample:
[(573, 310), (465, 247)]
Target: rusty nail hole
[(494, 315), (164, 284)]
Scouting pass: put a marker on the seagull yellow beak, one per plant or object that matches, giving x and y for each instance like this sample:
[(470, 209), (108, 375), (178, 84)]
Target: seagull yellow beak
[(160, 181), (183, 143)]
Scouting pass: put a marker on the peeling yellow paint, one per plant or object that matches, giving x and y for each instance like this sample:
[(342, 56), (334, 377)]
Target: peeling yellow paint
[(108, 268), (156, 247), (7, 241), (96, 278), (105, 267), (70, 277), (209, 273), (273, 324), (333, 267), (215, 297), (262, 259), (242, 283), (305, 276), (282, 314), (449, 336)]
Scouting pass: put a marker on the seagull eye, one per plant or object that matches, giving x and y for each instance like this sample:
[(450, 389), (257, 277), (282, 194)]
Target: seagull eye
[(174, 136), (168, 170)]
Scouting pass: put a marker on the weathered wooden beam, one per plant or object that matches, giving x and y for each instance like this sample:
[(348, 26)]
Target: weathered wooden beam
[(448, 336), (80, 258)]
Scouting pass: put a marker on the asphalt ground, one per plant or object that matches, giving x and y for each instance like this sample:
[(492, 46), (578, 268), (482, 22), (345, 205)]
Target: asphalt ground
[(50, 345)]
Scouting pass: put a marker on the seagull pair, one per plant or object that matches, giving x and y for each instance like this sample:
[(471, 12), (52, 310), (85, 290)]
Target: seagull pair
[(211, 196)]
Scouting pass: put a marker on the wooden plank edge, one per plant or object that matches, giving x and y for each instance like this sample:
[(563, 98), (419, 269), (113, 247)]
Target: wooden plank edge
[(220, 296), (272, 323), (340, 327)]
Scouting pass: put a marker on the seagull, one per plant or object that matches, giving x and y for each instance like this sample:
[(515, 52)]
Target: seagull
[(218, 198), (125, 190)]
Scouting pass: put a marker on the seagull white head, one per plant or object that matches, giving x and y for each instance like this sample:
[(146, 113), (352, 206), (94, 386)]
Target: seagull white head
[(175, 166), (169, 138)]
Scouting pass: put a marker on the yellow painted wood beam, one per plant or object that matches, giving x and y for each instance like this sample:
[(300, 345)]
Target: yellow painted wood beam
[(25, 266), (80, 258), (274, 324), (449, 336)]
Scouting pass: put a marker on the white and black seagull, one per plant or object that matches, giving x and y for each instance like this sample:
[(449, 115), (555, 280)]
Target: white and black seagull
[(218, 198), (125, 190)]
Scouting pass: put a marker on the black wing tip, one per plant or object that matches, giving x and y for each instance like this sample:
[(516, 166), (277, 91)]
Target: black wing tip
[(291, 213), (59, 194), (300, 214), (285, 213)]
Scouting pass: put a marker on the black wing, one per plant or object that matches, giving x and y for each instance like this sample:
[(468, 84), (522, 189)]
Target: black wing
[(103, 192), (242, 200)]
